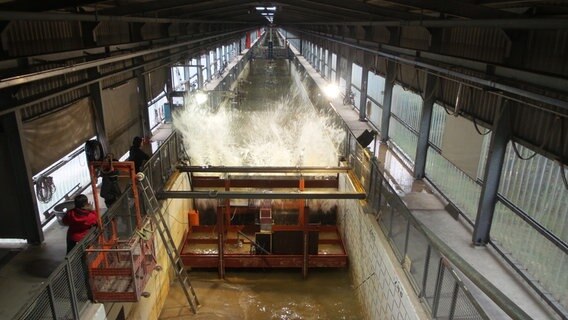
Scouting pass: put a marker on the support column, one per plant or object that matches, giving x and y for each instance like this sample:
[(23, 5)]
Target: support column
[(169, 86), (95, 90), (19, 217), (338, 68), (425, 124), (136, 35), (387, 99), (492, 176), (199, 75), (4, 25), (329, 66), (348, 69), (301, 46), (363, 96), (208, 65)]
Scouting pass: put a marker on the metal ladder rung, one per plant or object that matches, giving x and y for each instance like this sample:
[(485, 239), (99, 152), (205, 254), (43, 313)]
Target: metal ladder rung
[(169, 244)]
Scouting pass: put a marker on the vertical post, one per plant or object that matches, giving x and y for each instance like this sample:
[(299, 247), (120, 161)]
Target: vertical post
[(199, 74), (363, 97), (492, 176), (387, 99), (438, 289), (20, 214), (329, 62), (143, 101), (338, 69), (52, 302), (247, 40), (302, 216), (348, 71), (95, 89), (455, 293), (426, 267), (169, 86), (71, 285), (425, 124), (301, 46), (208, 65), (221, 241)]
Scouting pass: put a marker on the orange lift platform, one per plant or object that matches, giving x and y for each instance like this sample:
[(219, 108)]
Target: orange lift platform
[(120, 262)]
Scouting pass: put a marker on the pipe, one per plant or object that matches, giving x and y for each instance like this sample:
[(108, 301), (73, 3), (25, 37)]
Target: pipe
[(258, 195), (222, 169)]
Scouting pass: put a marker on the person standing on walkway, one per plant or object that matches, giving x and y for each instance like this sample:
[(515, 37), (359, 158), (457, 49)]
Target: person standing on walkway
[(137, 155), (80, 220)]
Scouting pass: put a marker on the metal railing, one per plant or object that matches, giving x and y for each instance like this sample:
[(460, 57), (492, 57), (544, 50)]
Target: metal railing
[(428, 262), (66, 292)]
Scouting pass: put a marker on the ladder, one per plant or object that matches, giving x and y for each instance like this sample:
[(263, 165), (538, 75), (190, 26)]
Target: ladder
[(158, 218)]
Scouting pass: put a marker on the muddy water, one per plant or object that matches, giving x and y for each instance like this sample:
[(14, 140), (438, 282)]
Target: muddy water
[(269, 294)]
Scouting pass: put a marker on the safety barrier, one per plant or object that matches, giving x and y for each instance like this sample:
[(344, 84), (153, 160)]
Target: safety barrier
[(66, 293)]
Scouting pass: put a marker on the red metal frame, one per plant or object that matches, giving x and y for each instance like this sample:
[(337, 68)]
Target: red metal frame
[(120, 268)]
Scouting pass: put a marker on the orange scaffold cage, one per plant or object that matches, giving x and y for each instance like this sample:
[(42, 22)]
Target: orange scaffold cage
[(120, 262)]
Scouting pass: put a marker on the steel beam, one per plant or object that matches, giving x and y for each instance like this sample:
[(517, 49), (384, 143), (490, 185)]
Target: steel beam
[(62, 90), (215, 194), (222, 169), (387, 100), (457, 8), (492, 176), (533, 24), (27, 78), (363, 90), (425, 123), (50, 16), (417, 61)]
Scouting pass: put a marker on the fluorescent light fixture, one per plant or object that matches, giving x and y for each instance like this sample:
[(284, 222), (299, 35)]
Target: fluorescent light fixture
[(260, 8), (331, 91), (271, 8)]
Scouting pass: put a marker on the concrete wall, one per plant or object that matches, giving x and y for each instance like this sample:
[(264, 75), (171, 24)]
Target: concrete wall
[(175, 211), (378, 279)]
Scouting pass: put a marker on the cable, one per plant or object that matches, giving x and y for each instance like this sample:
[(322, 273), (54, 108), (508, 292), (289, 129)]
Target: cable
[(563, 174), (519, 155), (417, 77), (45, 189), (479, 131)]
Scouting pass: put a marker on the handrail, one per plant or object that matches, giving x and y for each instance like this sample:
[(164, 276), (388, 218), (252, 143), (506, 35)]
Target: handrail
[(481, 282), (66, 270), (507, 305)]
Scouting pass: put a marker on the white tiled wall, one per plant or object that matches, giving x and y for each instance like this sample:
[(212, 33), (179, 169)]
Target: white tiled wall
[(378, 279)]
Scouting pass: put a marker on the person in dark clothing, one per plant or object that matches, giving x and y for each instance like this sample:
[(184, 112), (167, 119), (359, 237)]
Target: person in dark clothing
[(110, 190), (80, 220), (137, 155)]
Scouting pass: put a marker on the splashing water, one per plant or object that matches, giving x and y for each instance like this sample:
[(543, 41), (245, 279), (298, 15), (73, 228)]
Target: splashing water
[(287, 132), (267, 129)]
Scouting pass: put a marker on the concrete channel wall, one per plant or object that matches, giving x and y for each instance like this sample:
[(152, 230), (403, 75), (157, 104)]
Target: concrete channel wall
[(378, 279)]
